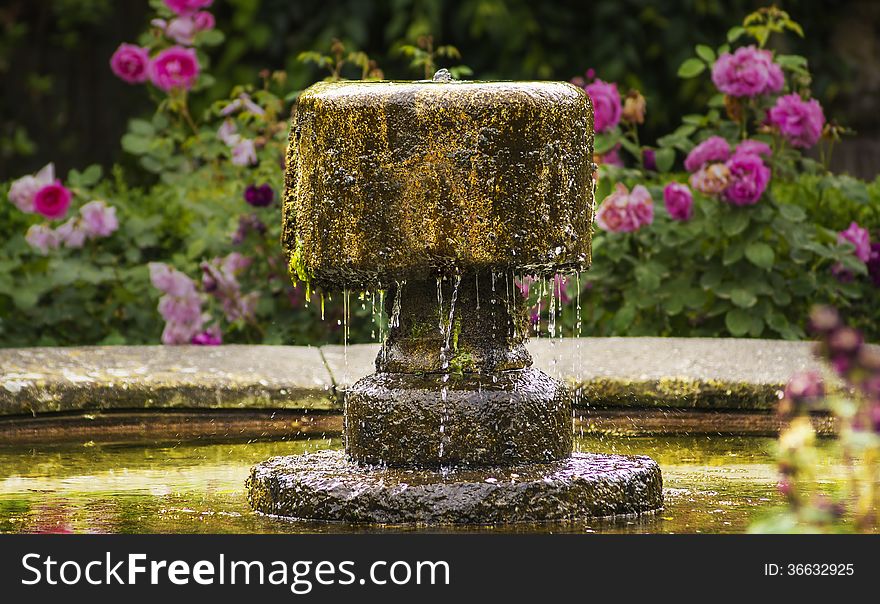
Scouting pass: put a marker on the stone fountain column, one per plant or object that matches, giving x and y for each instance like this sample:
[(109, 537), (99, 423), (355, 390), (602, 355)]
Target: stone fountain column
[(441, 193)]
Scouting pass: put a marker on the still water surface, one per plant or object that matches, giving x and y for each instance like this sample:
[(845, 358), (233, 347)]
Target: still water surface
[(711, 484)]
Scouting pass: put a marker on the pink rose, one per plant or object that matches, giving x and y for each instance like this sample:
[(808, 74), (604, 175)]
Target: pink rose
[(244, 153), (606, 104), (714, 148), (752, 147), (98, 219), (171, 281), (24, 190), (187, 7), (204, 20), (623, 212), (860, 238), (611, 158), (711, 179), (679, 201), (43, 238), (182, 30), (52, 200), (71, 234), (642, 205), (186, 309), (799, 121), (747, 72), (130, 63), (209, 337), (749, 178), (174, 68)]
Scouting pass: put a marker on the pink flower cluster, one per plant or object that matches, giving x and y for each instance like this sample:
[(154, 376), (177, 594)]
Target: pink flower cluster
[(41, 193), (181, 306), (748, 72), (860, 238), (624, 211), (607, 107), (176, 67), (739, 178), (220, 279), (243, 150), (799, 121), (96, 220)]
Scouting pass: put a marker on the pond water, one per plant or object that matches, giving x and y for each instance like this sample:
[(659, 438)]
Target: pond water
[(712, 484)]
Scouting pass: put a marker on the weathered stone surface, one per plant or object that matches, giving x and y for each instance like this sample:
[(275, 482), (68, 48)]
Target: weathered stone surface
[(704, 373), (432, 420), (40, 380), (326, 486), (444, 326), (388, 181)]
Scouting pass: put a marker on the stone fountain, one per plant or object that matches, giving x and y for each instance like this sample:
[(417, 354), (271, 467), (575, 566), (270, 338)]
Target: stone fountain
[(441, 193)]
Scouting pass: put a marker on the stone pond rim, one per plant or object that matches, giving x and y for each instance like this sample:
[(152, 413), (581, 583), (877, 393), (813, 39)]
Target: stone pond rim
[(387, 181)]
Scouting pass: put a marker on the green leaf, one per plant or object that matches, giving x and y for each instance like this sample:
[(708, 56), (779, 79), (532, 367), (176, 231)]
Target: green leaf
[(141, 127), (665, 158), (211, 37), (792, 212), (647, 276), (135, 144), (90, 176), (732, 253), (760, 254), (734, 33), (738, 321), (691, 68), (743, 298), (705, 53), (711, 279), (736, 223)]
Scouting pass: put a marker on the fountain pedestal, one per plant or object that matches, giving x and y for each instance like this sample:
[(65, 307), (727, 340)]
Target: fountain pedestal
[(441, 193)]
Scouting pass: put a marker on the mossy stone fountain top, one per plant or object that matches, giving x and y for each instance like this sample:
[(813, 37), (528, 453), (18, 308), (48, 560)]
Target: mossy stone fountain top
[(442, 192), (391, 181)]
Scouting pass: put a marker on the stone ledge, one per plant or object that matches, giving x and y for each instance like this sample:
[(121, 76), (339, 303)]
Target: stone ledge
[(697, 373), (43, 380)]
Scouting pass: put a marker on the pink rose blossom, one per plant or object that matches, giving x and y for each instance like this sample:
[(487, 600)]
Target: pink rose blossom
[(714, 148), (799, 121), (24, 190), (99, 219), (187, 7), (185, 309), (624, 211), (52, 200), (606, 104), (130, 63), (171, 281), (244, 153), (679, 201), (711, 179), (204, 20), (228, 133), (611, 158), (182, 30), (71, 234), (242, 102), (753, 147), (749, 71), (209, 337), (749, 178), (642, 205), (174, 68), (860, 238), (43, 238)]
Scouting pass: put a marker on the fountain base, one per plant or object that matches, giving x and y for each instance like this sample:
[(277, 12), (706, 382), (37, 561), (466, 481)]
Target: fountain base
[(327, 486)]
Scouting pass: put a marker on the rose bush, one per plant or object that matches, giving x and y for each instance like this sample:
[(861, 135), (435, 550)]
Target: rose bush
[(735, 251), (744, 241)]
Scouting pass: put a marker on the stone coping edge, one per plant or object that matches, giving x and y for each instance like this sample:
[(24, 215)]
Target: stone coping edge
[(605, 372)]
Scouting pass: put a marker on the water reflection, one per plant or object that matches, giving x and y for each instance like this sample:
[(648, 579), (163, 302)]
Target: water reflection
[(711, 485)]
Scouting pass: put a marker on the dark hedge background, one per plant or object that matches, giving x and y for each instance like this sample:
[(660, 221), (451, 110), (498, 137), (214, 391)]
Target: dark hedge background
[(61, 102)]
